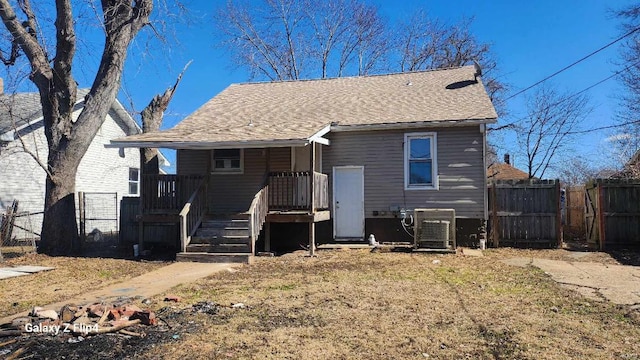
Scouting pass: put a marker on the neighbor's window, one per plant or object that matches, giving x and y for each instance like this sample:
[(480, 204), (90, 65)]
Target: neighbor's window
[(228, 161), (134, 181), (420, 168)]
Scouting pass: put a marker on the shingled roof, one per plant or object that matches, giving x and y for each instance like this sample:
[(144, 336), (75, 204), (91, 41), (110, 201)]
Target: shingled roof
[(19, 109), (277, 113), (501, 171)]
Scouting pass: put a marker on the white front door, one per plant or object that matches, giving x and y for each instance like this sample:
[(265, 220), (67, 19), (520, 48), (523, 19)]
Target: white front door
[(348, 202)]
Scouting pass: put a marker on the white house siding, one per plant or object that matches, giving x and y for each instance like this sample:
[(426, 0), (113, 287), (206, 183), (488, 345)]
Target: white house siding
[(459, 160), (101, 170), (22, 179), (106, 170)]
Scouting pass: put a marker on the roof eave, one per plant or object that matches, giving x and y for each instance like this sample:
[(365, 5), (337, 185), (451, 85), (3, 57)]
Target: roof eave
[(207, 145), (411, 125)]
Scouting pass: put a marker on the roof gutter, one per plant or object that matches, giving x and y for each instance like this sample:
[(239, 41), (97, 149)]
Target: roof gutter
[(411, 125), (195, 145)]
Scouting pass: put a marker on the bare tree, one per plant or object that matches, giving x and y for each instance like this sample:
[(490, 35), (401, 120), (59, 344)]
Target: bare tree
[(627, 141), (426, 43), (546, 131), (576, 170), (295, 39), (265, 38), (52, 75)]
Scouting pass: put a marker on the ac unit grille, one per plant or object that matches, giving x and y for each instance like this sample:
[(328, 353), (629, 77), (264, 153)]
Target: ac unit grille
[(433, 234)]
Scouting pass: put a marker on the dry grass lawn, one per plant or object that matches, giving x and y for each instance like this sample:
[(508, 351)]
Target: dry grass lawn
[(71, 276), (359, 305)]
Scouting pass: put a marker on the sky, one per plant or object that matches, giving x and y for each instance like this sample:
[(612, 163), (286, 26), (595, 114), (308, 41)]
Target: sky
[(529, 39)]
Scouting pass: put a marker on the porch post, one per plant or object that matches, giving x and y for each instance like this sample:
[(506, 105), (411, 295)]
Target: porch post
[(312, 238), (312, 193), (141, 194), (312, 165)]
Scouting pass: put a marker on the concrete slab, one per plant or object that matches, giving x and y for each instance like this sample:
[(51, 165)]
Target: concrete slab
[(6, 273), (9, 272), (619, 284), (31, 268), (146, 285)]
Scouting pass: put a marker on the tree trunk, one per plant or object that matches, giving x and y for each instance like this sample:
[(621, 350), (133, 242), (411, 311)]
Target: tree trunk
[(59, 227)]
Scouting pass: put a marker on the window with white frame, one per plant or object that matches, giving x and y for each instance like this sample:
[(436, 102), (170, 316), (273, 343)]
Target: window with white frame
[(420, 164), (134, 181), (227, 161)]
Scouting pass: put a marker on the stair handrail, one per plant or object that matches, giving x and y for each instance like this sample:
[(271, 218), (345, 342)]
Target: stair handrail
[(190, 220), (258, 214)]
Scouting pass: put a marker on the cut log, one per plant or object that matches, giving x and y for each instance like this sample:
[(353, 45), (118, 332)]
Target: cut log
[(103, 318), (131, 333), (111, 329)]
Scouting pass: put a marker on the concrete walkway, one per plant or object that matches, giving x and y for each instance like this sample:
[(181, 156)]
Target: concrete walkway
[(146, 285), (619, 284)]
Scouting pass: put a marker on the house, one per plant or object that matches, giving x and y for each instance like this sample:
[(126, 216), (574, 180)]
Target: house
[(102, 170), (333, 160), (505, 171)]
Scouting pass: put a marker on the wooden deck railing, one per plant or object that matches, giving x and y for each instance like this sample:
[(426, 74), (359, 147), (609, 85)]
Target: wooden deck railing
[(321, 190), (192, 213), (258, 214), (291, 190), (167, 193)]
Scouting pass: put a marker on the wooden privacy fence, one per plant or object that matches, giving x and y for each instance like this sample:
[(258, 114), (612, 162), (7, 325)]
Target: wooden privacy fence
[(525, 213), (612, 213), (154, 233), (574, 213)]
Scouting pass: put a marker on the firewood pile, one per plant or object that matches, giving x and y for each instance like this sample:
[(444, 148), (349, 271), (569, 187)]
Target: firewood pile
[(74, 323)]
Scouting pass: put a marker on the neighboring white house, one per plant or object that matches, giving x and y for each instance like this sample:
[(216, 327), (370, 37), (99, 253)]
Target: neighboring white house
[(102, 170)]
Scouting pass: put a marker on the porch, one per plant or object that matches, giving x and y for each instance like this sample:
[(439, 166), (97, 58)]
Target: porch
[(285, 196)]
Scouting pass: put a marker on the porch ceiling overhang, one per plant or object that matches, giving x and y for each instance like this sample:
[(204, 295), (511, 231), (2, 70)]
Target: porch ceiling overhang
[(168, 140), (205, 145)]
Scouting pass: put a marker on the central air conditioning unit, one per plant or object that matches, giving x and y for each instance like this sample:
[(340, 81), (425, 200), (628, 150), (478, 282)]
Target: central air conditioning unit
[(434, 229)]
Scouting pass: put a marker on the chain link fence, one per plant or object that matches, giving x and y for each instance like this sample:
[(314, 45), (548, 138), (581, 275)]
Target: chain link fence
[(17, 234), (97, 216)]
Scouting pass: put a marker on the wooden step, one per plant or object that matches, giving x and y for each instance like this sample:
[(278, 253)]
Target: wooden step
[(219, 248), (226, 231), (216, 240), (242, 258), (234, 216), (218, 223)]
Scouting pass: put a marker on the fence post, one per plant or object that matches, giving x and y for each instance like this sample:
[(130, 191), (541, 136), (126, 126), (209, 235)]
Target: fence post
[(494, 216), (601, 222), (82, 215), (559, 214)]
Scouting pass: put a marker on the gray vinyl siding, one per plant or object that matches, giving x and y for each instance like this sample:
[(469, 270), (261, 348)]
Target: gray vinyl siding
[(234, 192), (459, 160), (192, 162)]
